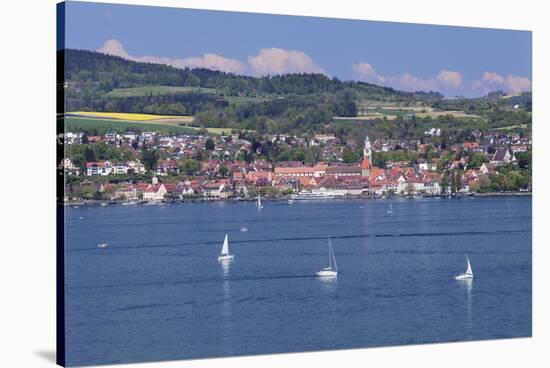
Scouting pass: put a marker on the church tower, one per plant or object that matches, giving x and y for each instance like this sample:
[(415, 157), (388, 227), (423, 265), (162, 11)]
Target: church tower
[(367, 159), (367, 150)]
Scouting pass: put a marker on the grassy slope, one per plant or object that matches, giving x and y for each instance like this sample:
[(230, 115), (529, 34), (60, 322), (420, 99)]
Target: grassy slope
[(155, 90), (166, 90)]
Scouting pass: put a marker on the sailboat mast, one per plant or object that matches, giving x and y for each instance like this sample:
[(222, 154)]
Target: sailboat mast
[(334, 258), (329, 253)]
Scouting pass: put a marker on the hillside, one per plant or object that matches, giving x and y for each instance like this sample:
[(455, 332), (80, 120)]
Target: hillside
[(293, 103)]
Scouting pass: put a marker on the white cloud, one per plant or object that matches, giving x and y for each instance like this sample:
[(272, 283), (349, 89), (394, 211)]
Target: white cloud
[(518, 84), (492, 77), (364, 70), (448, 81), (492, 81), (208, 60), (115, 48), (407, 81), (450, 78), (270, 61), (276, 61)]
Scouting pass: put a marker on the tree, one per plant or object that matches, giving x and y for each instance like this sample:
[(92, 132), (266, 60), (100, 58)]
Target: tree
[(223, 171), (524, 159), (190, 166), (455, 180), (89, 154), (347, 155), (209, 145), (476, 160), (474, 186), (484, 183), (150, 159), (299, 155)]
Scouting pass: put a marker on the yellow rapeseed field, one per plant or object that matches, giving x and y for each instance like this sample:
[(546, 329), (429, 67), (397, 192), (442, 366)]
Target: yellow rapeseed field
[(126, 116)]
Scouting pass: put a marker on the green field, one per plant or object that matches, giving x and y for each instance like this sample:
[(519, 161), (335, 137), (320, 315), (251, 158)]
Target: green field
[(241, 100), (155, 91), (512, 127), (167, 90)]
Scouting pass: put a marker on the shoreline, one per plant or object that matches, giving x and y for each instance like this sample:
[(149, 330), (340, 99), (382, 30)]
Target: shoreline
[(93, 202)]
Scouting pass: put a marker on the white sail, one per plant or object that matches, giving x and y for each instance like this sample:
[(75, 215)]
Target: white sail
[(259, 202), (225, 248), (469, 269)]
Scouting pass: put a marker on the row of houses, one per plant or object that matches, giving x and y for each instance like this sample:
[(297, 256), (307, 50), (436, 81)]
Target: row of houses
[(105, 168)]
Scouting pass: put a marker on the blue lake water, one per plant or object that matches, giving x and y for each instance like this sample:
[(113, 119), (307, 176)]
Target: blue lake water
[(158, 291)]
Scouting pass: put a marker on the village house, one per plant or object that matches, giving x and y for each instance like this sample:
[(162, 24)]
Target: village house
[(154, 193), (69, 167), (297, 172), (488, 169), (119, 168), (186, 189), (168, 167), (259, 178), (103, 168), (343, 171), (503, 156), (216, 189), (126, 192), (136, 167), (324, 138)]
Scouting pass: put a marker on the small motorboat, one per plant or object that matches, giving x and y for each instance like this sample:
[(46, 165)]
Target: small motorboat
[(244, 229), (102, 245)]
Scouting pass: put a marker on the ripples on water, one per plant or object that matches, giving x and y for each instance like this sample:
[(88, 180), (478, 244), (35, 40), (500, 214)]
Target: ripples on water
[(158, 292)]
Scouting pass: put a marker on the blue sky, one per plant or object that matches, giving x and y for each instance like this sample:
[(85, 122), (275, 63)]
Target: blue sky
[(452, 60)]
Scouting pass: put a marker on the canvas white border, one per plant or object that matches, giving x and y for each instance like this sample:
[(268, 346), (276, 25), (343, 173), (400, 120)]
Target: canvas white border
[(27, 267)]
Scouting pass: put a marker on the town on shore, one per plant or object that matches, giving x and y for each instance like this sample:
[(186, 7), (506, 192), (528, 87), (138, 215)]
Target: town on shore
[(154, 167)]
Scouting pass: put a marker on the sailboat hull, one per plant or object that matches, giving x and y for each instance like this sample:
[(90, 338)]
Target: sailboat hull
[(327, 273), (464, 276), (227, 257)]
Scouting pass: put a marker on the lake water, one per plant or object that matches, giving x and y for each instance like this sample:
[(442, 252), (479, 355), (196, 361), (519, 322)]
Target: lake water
[(158, 291)]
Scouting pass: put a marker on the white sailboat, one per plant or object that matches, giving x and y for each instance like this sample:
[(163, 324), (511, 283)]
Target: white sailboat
[(390, 211), (468, 274), (259, 202), (329, 271), (225, 256)]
